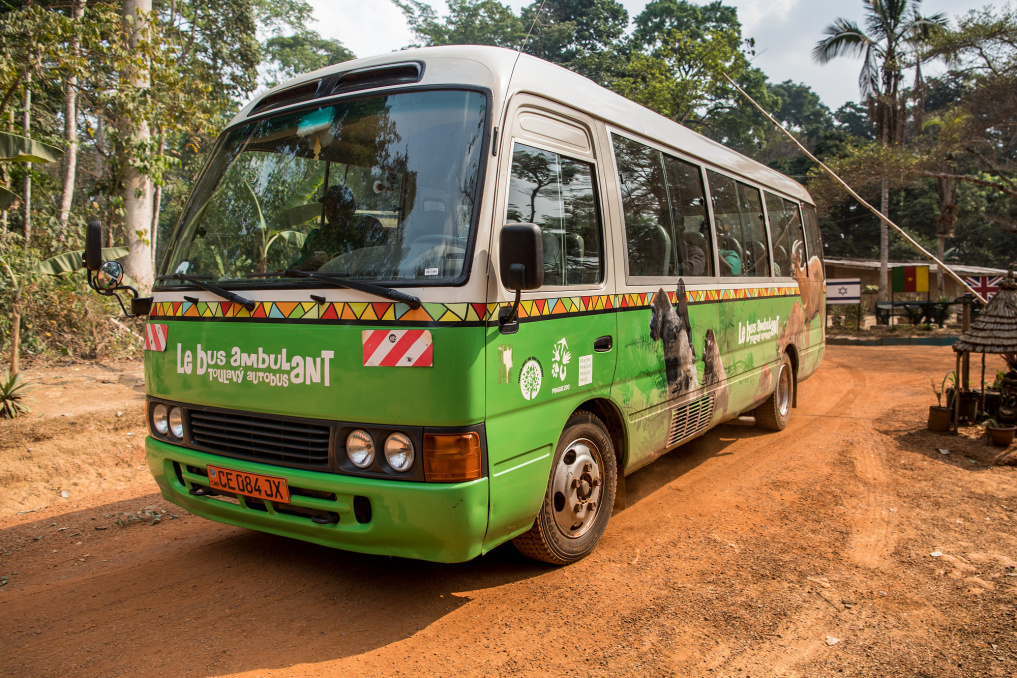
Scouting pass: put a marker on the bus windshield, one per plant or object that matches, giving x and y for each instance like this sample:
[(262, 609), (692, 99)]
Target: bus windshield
[(381, 188)]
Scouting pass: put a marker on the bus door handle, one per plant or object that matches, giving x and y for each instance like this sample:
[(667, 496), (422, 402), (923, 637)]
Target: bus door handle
[(603, 344)]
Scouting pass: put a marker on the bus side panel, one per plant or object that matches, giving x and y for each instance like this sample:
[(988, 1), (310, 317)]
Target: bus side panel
[(642, 387), (737, 344), (536, 378)]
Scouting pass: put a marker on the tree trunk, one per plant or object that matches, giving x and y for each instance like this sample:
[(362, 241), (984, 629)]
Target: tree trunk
[(15, 330), (947, 189), (884, 241), (137, 187), (5, 176), (70, 133), (26, 127), (157, 206)]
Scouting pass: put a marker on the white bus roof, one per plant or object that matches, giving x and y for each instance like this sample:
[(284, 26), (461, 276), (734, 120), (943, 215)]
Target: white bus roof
[(492, 67)]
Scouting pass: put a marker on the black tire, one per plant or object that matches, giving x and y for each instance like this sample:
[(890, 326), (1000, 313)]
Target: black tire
[(775, 413), (563, 531)]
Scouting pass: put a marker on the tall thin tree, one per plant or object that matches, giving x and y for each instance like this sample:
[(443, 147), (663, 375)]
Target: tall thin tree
[(70, 127), (137, 186), (890, 44)]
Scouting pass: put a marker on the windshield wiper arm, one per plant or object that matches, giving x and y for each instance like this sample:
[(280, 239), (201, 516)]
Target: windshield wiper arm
[(198, 281), (367, 288)]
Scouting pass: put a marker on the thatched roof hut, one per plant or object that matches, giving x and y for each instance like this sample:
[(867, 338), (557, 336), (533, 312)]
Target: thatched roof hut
[(995, 329)]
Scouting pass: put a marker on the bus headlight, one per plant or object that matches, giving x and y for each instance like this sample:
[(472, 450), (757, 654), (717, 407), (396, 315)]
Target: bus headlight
[(176, 422), (399, 452), (160, 419), (360, 448)]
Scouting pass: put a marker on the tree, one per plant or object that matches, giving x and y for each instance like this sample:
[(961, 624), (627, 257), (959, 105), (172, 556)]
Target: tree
[(679, 56), (301, 52), (896, 33), (470, 22)]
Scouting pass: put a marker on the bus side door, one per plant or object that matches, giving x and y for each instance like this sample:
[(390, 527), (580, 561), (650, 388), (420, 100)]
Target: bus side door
[(562, 352)]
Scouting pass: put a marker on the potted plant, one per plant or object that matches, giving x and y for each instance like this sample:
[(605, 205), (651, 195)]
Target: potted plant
[(1000, 435), (939, 416)]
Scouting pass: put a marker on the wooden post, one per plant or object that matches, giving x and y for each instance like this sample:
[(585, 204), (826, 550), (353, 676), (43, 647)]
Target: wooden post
[(956, 397), (965, 366)]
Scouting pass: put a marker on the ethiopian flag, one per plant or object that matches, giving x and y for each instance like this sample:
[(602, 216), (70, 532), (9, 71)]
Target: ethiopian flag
[(911, 279)]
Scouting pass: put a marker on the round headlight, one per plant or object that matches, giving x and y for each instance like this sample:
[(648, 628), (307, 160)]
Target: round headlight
[(176, 423), (360, 448), (399, 452), (160, 419)]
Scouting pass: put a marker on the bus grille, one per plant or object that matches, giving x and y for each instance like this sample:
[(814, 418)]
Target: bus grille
[(288, 443), (691, 418)]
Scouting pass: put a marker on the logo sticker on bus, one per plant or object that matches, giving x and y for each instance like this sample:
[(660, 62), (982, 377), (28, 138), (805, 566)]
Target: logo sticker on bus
[(530, 376)]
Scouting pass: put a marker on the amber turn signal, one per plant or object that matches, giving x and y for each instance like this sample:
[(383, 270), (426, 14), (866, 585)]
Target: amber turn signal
[(451, 457)]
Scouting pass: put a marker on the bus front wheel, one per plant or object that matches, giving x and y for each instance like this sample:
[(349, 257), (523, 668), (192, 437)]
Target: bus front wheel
[(775, 413), (579, 497)]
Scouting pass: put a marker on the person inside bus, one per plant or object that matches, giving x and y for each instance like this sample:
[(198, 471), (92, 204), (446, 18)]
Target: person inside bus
[(695, 262), (730, 260), (342, 232)]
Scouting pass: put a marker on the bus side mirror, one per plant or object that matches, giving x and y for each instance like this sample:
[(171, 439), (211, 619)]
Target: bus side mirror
[(106, 278), (521, 253), (93, 246)]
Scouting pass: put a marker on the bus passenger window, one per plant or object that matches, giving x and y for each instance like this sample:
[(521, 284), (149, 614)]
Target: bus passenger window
[(785, 234), (738, 217), (558, 194), (665, 212), (688, 209), (812, 237), (648, 228)]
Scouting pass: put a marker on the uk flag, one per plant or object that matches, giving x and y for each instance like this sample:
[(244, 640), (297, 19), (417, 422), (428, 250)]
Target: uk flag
[(985, 285)]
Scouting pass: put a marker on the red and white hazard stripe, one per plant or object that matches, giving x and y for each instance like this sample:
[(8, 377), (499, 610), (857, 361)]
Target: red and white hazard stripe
[(155, 337), (397, 348)]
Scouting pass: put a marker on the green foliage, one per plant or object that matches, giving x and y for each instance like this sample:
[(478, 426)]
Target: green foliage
[(12, 395), (16, 148), (68, 262), (302, 52)]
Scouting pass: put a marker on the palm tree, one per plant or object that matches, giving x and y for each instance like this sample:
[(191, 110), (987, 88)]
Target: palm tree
[(892, 42)]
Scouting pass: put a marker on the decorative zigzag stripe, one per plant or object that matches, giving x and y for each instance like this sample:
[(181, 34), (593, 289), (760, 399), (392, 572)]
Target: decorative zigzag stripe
[(445, 313)]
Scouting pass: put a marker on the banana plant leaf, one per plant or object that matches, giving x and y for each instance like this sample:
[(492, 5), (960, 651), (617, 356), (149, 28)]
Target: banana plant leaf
[(15, 148), (293, 238), (7, 198), (300, 214), (73, 261)]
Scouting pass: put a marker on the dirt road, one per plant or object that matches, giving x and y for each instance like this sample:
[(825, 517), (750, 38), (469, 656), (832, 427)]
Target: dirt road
[(802, 553)]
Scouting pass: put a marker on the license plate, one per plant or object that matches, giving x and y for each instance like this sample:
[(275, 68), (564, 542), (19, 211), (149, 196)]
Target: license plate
[(249, 484)]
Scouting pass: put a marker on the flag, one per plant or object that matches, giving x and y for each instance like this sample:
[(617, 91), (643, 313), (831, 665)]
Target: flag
[(985, 285), (910, 278)]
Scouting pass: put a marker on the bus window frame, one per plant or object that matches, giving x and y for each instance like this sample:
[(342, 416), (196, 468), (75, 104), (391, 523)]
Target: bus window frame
[(766, 209), (766, 225), (528, 103), (658, 280)]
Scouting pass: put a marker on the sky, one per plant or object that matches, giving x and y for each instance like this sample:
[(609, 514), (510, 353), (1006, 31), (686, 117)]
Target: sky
[(785, 32)]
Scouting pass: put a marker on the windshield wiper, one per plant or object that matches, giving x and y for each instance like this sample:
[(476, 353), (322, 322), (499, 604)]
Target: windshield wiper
[(332, 279), (197, 281)]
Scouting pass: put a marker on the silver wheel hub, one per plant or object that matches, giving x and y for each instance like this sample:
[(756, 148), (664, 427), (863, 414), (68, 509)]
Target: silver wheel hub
[(784, 391), (576, 488)]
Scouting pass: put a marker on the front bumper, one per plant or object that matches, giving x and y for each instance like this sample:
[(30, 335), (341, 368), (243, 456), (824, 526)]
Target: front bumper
[(429, 521)]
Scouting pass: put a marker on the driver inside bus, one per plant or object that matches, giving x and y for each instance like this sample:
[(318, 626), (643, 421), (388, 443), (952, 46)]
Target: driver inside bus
[(343, 231)]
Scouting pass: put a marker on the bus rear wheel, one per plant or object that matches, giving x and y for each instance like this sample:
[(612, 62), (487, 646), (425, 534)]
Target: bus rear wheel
[(775, 413), (579, 497)]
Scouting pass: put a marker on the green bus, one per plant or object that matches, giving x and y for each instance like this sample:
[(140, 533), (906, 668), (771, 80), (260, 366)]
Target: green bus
[(425, 303)]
